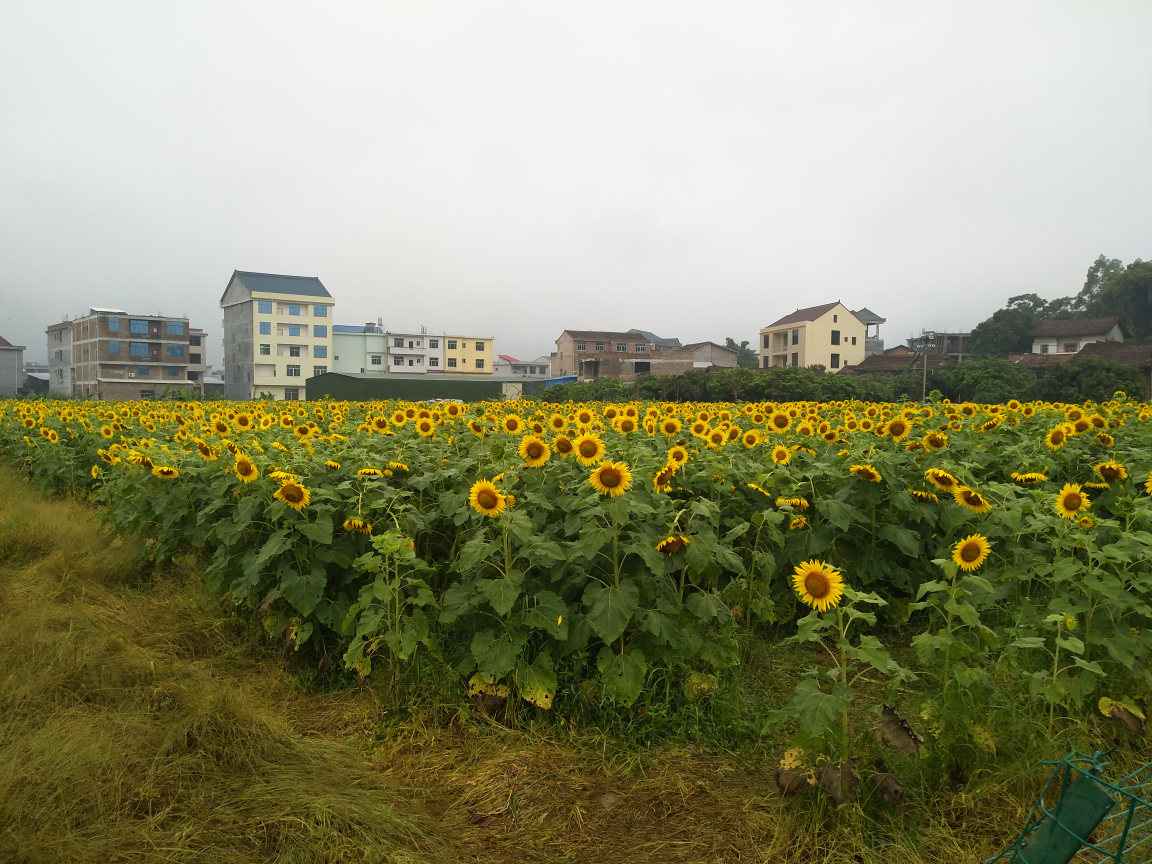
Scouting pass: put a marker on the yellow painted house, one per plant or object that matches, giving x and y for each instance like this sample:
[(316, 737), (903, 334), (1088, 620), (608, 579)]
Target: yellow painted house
[(830, 336)]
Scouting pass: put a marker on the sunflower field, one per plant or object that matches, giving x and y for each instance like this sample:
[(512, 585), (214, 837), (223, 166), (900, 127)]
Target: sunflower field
[(626, 546)]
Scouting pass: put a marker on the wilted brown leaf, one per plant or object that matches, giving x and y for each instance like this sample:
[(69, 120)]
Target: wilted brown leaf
[(895, 732)]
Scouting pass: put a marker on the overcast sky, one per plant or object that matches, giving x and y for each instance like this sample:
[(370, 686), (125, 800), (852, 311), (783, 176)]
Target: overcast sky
[(515, 169)]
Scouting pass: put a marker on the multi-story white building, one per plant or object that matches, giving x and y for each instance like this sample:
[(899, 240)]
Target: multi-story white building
[(414, 353), (277, 333), (60, 358), (369, 348)]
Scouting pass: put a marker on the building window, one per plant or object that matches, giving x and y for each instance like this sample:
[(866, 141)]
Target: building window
[(293, 308), (376, 358), (451, 362), (293, 371), (265, 350), (194, 359), (581, 346), (1070, 347), (451, 344), (433, 361), (144, 394), (173, 371), (835, 337), (479, 346), (113, 346), (293, 329), (640, 347), (795, 359), (397, 360), (320, 331), (175, 349), (433, 343), (320, 311), (835, 364), (795, 339), (319, 350), (136, 325), (411, 362), (835, 319), (599, 346), (194, 340), (293, 350), (113, 326), (621, 346), (142, 371), (175, 328), (479, 363), (1044, 348), (264, 307), (291, 394), (853, 340), (138, 349), (319, 370), (265, 328)]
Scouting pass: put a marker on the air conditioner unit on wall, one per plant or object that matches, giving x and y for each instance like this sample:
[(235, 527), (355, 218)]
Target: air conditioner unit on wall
[(131, 374)]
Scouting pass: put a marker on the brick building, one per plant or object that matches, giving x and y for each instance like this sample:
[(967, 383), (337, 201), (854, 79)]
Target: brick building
[(591, 354)]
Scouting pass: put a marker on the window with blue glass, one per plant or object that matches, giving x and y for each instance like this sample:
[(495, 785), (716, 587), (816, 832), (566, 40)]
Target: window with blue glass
[(175, 350), (265, 328), (139, 349), (175, 328), (113, 325), (173, 371), (319, 350), (320, 311), (293, 308), (320, 331), (293, 329), (264, 307), (137, 325), (113, 346), (141, 370)]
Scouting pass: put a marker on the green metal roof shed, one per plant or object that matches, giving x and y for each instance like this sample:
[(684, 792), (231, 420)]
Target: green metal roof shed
[(414, 388)]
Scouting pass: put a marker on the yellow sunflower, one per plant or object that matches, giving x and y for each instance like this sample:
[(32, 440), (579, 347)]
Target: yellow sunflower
[(369, 472), (589, 449), (398, 466), (165, 472), (357, 526), (294, 495), (970, 552), (866, 472), (779, 422), (558, 423), (797, 523), (672, 543), (512, 424), (897, 429), (971, 499), (1028, 478), (486, 499), (794, 503), (95, 471), (941, 479), (670, 426), (818, 584), (781, 455), (611, 478), (329, 463), (751, 438), (1071, 500), (533, 451), (425, 427), (1111, 470), (245, 469), (1057, 438), (662, 482), (926, 497), (106, 431)]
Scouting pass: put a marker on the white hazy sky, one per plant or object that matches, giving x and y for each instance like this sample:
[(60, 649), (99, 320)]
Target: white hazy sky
[(512, 169)]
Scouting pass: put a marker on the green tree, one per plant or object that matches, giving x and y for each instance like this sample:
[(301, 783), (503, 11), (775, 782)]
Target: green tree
[(1129, 295), (993, 380), (745, 356), (1089, 378), (1007, 330)]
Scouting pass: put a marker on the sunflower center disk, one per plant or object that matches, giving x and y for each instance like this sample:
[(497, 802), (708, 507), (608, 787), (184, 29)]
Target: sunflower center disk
[(486, 499), (970, 552), (817, 585), (1072, 502), (610, 478)]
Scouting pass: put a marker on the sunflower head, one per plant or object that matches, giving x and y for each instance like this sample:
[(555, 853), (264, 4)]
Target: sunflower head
[(245, 469), (818, 584), (563, 445), (781, 455), (611, 478), (1028, 478), (672, 543), (670, 426), (357, 526), (425, 427), (971, 499), (663, 479), (369, 473), (294, 495), (970, 552), (1110, 471), (512, 424), (329, 463), (589, 449), (866, 472), (486, 499), (926, 497), (1056, 438), (534, 451), (797, 523), (941, 479), (1071, 500), (165, 472)]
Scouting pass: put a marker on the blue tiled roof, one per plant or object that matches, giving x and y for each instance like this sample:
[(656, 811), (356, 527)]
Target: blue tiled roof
[(355, 328), (309, 286)]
